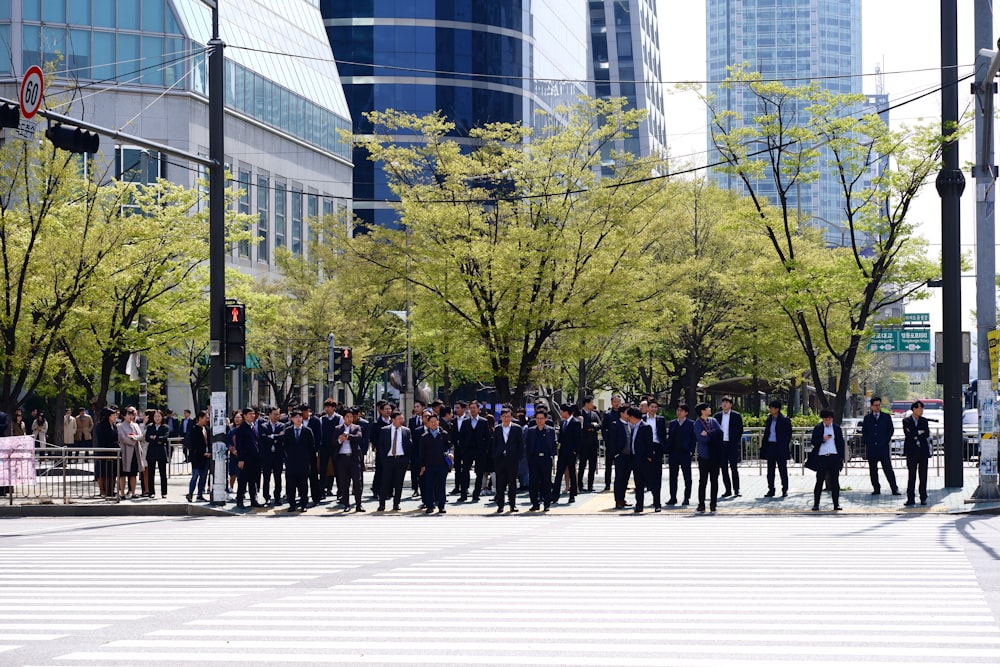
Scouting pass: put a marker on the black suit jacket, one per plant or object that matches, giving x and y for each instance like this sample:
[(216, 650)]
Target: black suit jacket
[(643, 442), (681, 442), (272, 446), (735, 427), (838, 439), (476, 442), (198, 445), (298, 453), (356, 439), (916, 443), (508, 454), (328, 426), (570, 437), (385, 441), (782, 449)]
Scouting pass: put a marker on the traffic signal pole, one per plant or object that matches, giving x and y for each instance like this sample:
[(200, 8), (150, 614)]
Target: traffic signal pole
[(217, 252)]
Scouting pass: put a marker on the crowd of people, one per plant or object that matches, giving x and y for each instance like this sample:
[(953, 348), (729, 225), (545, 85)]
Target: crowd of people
[(313, 457)]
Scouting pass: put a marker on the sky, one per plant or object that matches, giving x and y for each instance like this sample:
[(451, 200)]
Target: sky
[(896, 34)]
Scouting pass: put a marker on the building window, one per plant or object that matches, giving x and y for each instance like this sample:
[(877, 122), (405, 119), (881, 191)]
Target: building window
[(262, 220), (280, 194), (296, 223), (243, 207), (312, 213)]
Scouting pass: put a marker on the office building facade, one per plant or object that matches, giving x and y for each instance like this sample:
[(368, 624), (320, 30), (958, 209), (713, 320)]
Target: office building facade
[(475, 61), (624, 62), (794, 41)]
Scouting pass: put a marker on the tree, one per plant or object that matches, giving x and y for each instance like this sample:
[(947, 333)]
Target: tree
[(518, 240), (830, 296)]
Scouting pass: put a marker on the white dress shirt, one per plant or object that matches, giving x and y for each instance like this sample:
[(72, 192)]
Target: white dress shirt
[(345, 447), (829, 446), (651, 420), (725, 426)]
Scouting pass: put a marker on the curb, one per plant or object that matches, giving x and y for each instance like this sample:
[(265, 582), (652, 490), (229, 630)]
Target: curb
[(111, 510)]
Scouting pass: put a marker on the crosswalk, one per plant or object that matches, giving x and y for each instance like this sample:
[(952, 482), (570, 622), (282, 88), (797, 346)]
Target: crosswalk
[(719, 591)]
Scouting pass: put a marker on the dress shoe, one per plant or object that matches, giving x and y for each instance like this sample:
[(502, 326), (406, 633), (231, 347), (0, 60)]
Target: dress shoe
[(290, 510), (897, 492), (671, 502), (712, 510), (769, 494), (923, 502), (571, 499), (909, 503), (359, 508), (619, 506), (727, 494), (415, 494), (815, 508), (606, 489), (475, 498), (500, 510), (533, 508), (302, 510), (189, 497), (277, 502), (737, 494), (381, 507), (429, 511), (546, 509), (700, 508), (513, 510), (637, 511), (657, 509), (784, 494), (240, 505), (442, 511), (395, 508), (254, 503), (876, 493), (590, 489), (685, 503), (837, 508), (463, 498)]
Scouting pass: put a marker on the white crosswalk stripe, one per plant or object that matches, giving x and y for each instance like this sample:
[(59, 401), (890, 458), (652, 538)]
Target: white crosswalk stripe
[(476, 591)]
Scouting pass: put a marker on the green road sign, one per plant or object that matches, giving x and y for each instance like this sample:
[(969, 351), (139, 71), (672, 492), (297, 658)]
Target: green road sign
[(917, 318), (915, 340), (884, 340)]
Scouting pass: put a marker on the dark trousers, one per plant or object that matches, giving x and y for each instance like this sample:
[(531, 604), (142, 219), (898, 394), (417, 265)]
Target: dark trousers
[(348, 473), (327, 471), (153, 465), (482, 474), (890, 476), (588, 457), (272, 469), (249, 477), (647, 478), (433, 481), (731, 467), (828, 473), (377, 477), (782, 466), (916, 465), (609, 463), (685, 467), (623, 470), (506, 481), (539, 479), (314, 485), (565, 462), (297, 485), (392, 479), (708, 474), (463, 464), (415, 475)]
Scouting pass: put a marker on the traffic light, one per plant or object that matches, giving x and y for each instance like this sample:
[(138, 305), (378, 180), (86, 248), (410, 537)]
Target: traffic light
[(346, 365), (73, 139), (10, 115), (234, 333)]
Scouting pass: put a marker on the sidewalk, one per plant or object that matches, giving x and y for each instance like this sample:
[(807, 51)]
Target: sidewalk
[(855, 499)]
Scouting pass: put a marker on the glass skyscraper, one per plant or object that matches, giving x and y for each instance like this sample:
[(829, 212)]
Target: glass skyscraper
[(625, 62), (793, 41), (476, 61)]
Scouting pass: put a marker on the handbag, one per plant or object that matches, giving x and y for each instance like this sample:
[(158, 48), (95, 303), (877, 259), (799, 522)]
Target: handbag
[(812, 460)]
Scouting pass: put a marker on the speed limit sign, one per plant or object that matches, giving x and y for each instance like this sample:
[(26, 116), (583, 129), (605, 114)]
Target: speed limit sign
[(32, 88)]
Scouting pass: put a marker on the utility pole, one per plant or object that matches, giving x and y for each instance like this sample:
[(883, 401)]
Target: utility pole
[(987, 63), (217, 250), (950, 185)]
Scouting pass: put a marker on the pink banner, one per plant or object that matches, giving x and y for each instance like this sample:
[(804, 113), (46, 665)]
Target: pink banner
[(17, 460)]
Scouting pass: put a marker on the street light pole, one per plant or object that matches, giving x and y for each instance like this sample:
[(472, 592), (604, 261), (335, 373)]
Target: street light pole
[(217, 249), (950, 185)]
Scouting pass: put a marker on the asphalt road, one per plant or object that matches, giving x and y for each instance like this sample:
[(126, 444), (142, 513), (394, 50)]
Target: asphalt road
[(501, 590)]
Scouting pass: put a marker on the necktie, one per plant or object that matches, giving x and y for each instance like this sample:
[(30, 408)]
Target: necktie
[(419, 421), (632, 440), (296, 435), (395, 440)]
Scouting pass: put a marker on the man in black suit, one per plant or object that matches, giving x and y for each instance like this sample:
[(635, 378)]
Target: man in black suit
[(777, 446), (199, 448), (732, 444), (570, 435), (641, 450), (247, 458), (463, 461), (591, 423), (540, 447), (876, 433), (329, 422), (186, 425), (476, 447), (394, 445), (313, 423), (508, 448), (349, 460), (609, 431), (681, 445), (272, 454), (828, 441), (382, 412), (917, 450), (623, 456), (300, 458), (653, 469), (434, 462), (416, 425)]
